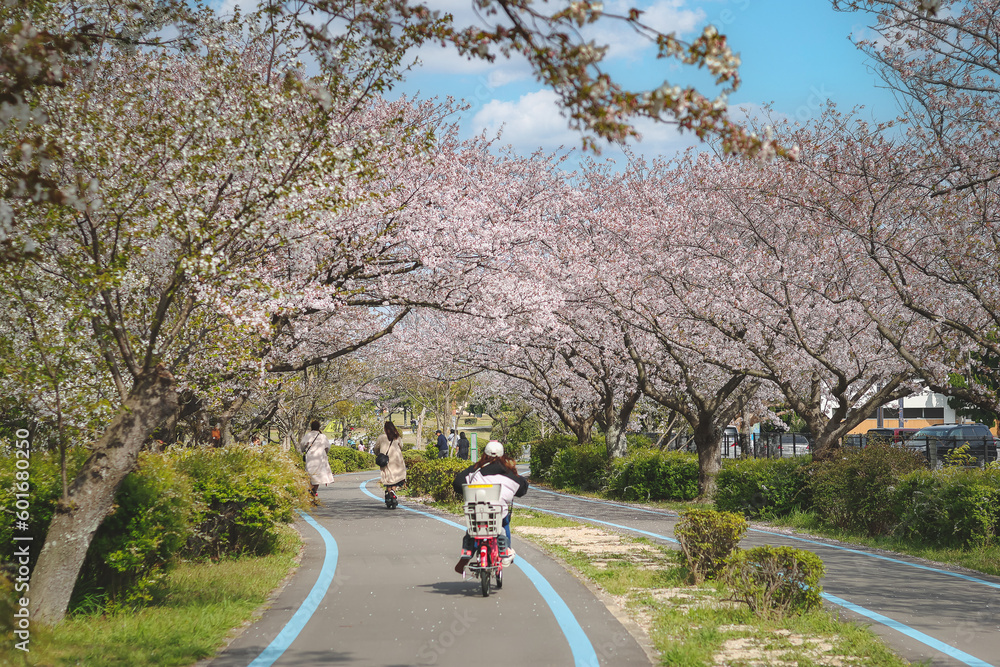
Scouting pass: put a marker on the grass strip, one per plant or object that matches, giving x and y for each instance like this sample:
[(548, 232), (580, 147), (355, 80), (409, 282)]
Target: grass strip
[(697, 626), (195, 610)]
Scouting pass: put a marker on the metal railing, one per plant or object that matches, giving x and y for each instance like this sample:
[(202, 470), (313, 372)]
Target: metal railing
[(758, 445)]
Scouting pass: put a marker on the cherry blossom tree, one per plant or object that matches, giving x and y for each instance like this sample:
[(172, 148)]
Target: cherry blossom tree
[(938, 255), (630, 231), (224, 233)]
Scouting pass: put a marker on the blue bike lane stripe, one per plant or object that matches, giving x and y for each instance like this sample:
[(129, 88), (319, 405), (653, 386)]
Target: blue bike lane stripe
[(305, 611), (916, 635), (825, 545), (947, 649), (583, 651), (606, 523)]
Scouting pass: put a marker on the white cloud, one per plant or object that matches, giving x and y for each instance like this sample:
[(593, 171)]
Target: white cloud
[(665, 16), (534, 122), (531, 122)]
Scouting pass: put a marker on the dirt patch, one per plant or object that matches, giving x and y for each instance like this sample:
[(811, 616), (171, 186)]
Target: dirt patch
[(764, 652), (599, 546)]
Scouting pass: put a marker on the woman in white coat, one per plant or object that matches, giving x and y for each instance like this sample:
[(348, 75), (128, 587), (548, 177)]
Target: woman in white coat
[(390, 443), (316, 448)]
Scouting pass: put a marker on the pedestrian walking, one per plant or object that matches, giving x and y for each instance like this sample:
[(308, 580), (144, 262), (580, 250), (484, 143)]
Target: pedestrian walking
[(463, 446), (442, 443), (315, 448), (390, 443)]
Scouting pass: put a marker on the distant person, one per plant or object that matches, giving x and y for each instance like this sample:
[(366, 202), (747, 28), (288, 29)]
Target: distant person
[(463, 446), (216, 436), (255, 440), (492, 468), (390, 443), (452, 441), (442, 443), (315, 448)]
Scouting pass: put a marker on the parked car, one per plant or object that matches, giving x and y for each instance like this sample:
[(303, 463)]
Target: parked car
[(775, 445), (793, 444), (894, 436), (945, 438)]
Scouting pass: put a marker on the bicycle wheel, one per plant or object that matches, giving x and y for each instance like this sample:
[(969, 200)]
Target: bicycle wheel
[(484, 579), (499, 578)]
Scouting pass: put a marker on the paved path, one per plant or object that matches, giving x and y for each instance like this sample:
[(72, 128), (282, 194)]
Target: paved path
[(390, 596), (376, 587)]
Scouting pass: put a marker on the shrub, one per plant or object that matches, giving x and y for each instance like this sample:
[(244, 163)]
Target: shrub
[(45, 488), (351, 459), (514, 450), (148, 528), (654, 475), (766, 488), (8, 605), (543, 452), (775, 581), (434, 478), (245, 493), (855, 491), (583, 467), (707, 539), (950, 507), (637, 442), (411, 456)]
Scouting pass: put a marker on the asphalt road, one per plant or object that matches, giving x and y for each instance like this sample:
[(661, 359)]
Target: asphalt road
[(390, 596), (376, 587)]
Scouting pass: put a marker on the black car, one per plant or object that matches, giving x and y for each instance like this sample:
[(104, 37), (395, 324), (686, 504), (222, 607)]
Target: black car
[(937, 441)]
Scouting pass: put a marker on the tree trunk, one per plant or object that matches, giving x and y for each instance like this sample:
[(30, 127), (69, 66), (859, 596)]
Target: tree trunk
[(616, 442), (707, 440), (418, 442), (92, 493)]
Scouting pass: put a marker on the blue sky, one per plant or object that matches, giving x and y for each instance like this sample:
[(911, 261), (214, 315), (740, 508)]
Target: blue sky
[(795, 55)]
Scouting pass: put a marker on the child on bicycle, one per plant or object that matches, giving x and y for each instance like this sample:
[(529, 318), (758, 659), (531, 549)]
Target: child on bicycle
[(492, 468)]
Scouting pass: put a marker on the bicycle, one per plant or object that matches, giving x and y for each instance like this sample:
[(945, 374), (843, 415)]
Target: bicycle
[(483, 512), (391, 502)]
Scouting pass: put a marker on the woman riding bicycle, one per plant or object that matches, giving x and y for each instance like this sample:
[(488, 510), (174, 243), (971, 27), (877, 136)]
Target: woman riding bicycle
[(492, 468)]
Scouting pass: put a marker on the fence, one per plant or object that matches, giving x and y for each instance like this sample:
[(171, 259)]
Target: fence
[(756, 445), (938, 451)]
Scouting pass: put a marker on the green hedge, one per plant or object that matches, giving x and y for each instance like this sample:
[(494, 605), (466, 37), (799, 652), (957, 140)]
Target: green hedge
[(245, 493), (856, 489), (350, 459), (183, 503), (154, 517), (45, 489), (949, 507), (543, 452), (411, 456), (580, 467), (434, 478), (654, 475), (765, 488)]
